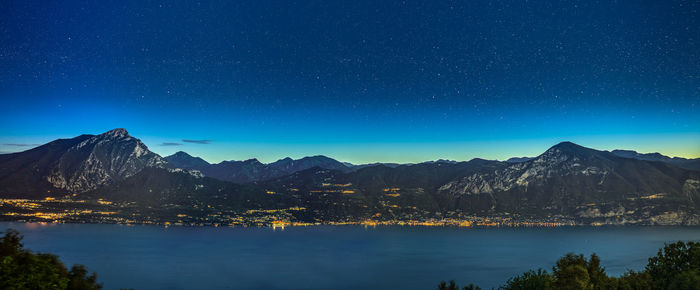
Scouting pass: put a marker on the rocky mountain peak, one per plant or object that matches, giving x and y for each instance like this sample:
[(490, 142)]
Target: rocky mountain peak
[(566, 147), (182, 155), (568, 151), (102, 159), (116, 133)]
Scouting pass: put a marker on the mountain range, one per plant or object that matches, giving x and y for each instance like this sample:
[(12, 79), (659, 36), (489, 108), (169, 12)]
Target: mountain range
[(692, 164), (252, 170), (566, 181)]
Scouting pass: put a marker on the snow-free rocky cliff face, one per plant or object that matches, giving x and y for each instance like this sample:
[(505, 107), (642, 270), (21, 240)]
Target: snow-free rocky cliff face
[(568, 175), (573, 180), (101, 160), (565, 159)]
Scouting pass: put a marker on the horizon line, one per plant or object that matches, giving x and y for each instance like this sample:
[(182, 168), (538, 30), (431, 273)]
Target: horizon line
[(151, 148)]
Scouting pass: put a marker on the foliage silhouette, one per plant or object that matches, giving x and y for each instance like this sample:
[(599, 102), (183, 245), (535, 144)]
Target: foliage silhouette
[(22, 269), (675, 266)]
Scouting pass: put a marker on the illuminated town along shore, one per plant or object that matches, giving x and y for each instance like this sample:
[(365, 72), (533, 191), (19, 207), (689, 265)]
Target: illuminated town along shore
[(52, 210)]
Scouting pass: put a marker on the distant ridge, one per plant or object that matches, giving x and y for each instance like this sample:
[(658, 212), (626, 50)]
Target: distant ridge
[(186, 161), (518, 159), (692, 164), (252, 170)]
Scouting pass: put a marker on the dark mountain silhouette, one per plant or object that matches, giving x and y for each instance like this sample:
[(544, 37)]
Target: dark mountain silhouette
[(692, 164), (252, 170), (247, 171), (360, 166), (235, 171), (153, 187), (290, 165), (185, 161), (518, 159)]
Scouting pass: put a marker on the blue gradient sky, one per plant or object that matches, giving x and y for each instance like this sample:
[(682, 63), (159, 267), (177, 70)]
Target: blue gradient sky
[(355, 80)]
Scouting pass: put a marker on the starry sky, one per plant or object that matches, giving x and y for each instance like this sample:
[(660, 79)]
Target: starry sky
[(359, 81)]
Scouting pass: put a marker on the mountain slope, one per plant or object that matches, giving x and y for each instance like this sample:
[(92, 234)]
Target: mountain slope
[(247, 171), (23, 174), (75, 165), (156, 186), (404, 192), (428, 175), (102, 159), (567, 176)]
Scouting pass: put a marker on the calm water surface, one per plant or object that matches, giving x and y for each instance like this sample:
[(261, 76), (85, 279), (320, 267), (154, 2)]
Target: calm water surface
[(326, 257)]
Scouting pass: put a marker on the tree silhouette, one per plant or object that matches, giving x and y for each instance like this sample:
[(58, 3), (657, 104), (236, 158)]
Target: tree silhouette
[(676, 265), (22, 269), (529, 280), (453, 286)]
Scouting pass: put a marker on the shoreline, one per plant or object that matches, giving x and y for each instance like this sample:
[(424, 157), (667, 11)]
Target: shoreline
[(99, 211), (353, 224)]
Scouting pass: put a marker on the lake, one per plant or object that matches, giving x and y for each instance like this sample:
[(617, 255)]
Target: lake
[(337, 257)]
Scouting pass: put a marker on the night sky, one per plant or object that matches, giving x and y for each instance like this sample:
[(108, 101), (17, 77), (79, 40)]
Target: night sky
[(359, 81)]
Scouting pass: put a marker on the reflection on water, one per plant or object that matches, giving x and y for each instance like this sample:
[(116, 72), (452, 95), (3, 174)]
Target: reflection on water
[(323, 257)]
